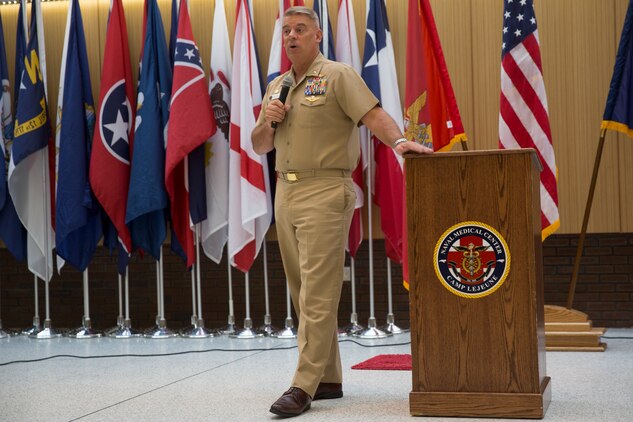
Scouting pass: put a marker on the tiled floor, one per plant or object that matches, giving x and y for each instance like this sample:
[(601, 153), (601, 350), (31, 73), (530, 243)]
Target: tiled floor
[(223, 379)]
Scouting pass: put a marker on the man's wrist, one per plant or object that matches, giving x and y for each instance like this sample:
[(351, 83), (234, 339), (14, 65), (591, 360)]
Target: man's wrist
[(399, 141)]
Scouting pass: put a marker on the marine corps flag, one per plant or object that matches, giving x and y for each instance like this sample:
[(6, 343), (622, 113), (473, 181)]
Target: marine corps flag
[(431, 115), (190, 125)]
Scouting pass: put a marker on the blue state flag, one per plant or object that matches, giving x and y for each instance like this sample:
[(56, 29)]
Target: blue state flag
[(147, 199), (327, 42), (12, 231), (618, 113), (20, 50), (173, 32), (78, 215)]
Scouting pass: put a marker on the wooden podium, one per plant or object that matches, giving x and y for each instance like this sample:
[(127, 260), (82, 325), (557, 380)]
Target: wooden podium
[(476, 285)]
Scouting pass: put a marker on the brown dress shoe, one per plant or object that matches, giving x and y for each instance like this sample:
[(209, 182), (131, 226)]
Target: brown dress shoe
[(328, 390), (293, 402)]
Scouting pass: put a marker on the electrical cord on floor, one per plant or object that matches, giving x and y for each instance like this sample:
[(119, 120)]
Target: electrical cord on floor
[(186, 352), (616, 338)]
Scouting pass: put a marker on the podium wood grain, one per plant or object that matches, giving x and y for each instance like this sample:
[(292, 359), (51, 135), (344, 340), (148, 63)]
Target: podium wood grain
[(485, 356)]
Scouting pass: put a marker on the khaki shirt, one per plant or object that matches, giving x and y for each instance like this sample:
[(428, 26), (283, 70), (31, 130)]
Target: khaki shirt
[(320, 131)]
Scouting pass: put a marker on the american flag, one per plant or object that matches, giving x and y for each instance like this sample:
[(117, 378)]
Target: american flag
[(523, 116)]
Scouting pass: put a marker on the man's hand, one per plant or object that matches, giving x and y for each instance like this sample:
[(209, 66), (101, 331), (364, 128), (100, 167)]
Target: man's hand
[(276, 112), (410, 146)]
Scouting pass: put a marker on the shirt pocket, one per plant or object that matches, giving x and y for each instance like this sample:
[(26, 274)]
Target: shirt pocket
[(312, 112)]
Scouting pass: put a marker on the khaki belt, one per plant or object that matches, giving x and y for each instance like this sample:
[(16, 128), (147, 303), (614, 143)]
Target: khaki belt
[(294, 176)]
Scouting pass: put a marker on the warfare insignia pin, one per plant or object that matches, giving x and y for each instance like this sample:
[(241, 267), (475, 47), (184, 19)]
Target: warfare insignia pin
[(471, 259)]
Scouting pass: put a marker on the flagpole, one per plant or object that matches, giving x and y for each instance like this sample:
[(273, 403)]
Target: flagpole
[(198, 331), (35, 327), (85, 331), (585, 221), (267, 328), (47, 332), (3, 333), (391, 326), (230, 328), (160, 331), (119, 319), (247, 332), (353, 327), (125, 330), (371, 332), (289, 331)]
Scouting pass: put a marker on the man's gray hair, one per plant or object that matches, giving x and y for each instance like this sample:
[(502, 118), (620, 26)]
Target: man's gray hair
[(305, 11)]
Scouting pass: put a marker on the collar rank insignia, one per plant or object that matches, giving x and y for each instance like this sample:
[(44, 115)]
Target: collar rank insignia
[(315, 85)]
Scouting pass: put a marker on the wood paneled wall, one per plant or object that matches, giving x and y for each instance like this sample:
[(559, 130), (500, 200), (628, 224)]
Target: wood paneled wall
[(578, 38)]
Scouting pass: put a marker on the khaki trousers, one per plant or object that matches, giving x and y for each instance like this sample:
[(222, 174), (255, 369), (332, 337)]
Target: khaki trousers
[(313, 217)]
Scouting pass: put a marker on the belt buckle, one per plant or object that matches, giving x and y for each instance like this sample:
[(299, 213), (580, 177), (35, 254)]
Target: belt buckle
[(291, 177)]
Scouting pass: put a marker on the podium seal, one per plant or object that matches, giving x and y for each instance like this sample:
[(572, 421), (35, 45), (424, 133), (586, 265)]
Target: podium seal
[(471, 259)]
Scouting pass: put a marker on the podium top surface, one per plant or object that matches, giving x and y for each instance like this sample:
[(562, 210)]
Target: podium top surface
[(475, 153)]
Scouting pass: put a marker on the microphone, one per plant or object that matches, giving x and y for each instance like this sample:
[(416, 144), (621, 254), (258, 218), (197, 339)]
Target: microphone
[(285, 87)]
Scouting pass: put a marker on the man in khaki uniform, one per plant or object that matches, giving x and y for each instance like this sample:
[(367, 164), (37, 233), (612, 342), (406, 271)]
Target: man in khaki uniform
[(317, 148)]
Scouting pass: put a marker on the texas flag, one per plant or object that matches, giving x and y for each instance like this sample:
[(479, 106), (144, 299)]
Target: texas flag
[(379, 72), (250, 205), (190, 125)]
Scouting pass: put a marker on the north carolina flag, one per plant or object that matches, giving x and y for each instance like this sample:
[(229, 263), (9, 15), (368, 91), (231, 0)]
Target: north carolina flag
[(113, 137), (147, 197), (347, 52), (214, 231), (11, 230), (29, 168), (379, 72), (190, 125), (250, 206), (78, 216)]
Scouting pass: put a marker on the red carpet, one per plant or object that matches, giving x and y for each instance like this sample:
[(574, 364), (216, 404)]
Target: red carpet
[(386, 363)]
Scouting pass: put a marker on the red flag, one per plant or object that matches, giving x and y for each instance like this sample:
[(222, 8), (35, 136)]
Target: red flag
[(190, 125), (523, 116), (113, 136), (431, 114), (250, 208)]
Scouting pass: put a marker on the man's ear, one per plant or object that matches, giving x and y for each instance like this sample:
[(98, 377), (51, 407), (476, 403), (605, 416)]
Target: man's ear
[(319, 35)]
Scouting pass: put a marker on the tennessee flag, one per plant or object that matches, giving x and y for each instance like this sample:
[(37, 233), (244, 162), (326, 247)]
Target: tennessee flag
[(190, 125), (431, 114), (29, 168), (113, 137), (250, 205)]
